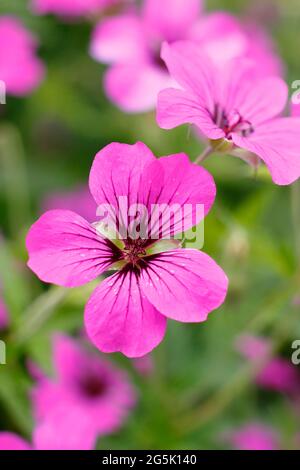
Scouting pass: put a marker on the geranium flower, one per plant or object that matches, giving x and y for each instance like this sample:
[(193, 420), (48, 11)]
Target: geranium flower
[(131, 44), (129, 310), (20, 68), (234, 110), (62, 429), (85, 383), (277, 374), (72, 8), (254, 436)]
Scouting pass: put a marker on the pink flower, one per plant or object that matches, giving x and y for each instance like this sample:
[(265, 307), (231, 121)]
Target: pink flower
[(223, 38), (128, 311), (84, 385), (233, 109), (20, 68), (79, 201), (131, 44), (254, 436), (72, 8), (278, 374), (62, 429)]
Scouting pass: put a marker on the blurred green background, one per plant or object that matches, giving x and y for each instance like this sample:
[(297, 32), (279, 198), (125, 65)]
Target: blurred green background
[(200, 387)]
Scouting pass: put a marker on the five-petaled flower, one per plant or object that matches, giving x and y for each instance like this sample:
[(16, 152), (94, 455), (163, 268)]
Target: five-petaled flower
[(83, 384), (128, 311), (233, 109)]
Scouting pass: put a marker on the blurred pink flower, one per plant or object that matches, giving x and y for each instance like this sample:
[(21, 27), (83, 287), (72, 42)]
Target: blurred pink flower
[(72, 8), (84, 385), (4, 320), (278, 374), (128, 311), (234, 109), (223, 38), (20, 68), (62, 429), (79, 201), (254, 436), (131, 44)]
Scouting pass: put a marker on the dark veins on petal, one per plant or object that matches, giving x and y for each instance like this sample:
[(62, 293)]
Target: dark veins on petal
[(232, 122)]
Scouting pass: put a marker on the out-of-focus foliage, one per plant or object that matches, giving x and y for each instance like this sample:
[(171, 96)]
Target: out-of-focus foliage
[(200, 387)]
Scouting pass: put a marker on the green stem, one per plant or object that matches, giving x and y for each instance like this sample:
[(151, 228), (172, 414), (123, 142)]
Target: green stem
[(38, 313), (295, 203), (12, 159), (203, 156)]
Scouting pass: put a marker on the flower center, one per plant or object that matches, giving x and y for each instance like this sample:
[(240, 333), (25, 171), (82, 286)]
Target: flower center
[(232, 123), (134, 250), (92, 386)]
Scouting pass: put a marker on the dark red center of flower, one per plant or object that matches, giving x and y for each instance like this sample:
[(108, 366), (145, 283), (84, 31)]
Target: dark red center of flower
[(134, 250), (92, 386), (232, 123)]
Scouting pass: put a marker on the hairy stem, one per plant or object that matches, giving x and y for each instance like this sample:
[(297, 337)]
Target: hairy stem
[(206, 153)]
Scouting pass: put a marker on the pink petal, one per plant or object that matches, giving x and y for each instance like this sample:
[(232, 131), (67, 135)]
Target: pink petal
[(134, 87), (223, 38), (119, 39), (64, 249), (11, 441), (295, 111), (279, 375), (185, 285), (4, 320), (255, 436), (276, 142), (20, 68), (118, 317), (70, 8), (177, 107), (192, 70), (257, 101), (65, 429), (184, 191), (173, 20), (117, 170)]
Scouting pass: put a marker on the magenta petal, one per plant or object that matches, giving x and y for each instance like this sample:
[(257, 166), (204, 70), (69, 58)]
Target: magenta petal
[(134, 87), (177, 107), (117, 170), (119, 39), (265, 99), (276, 142), (185, 191), (192, 70), (20, 68), (65, 428), (173, 20), (118, 317), (185, 285), (11, 441), (64, 249)]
